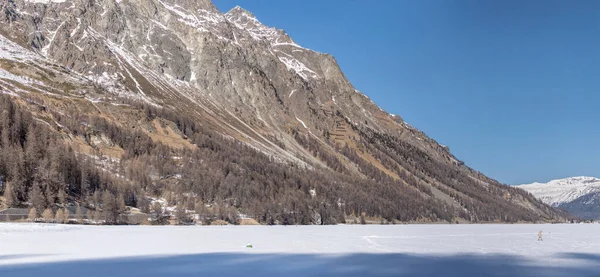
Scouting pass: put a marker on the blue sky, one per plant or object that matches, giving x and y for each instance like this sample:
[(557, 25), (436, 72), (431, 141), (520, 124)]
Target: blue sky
[(512, 87)]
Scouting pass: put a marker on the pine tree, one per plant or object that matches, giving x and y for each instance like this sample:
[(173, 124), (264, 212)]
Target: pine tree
[(157, 209), (79, 214), (18, 173), (200, 208), (36, 198), (32, 214), (121, 207), (110, 207), (60, 216), (66, 214), (181, 215), (85, 182), (96, 199), (10, 195), (90, 215), (48, 215), (97, 216), (144, 204), (62, 197), (5, 122)]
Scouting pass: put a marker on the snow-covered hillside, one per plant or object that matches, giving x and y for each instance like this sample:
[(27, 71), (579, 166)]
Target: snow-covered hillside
[(392, 250), (563, 191)]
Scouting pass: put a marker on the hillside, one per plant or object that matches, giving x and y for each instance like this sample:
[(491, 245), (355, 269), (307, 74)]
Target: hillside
[(116, 104)]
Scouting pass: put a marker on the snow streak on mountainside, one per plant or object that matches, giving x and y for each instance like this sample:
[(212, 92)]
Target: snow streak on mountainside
[(181, 72)]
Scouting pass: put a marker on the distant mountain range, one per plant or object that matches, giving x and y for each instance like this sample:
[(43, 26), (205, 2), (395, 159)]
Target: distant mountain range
[(579, 196)]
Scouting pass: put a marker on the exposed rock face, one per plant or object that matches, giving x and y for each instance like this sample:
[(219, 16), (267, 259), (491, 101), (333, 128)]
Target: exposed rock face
[(585, 207), (229, 71), (233, 55)]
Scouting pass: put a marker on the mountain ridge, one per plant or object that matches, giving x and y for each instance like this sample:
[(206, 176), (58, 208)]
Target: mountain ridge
[(578, 195)]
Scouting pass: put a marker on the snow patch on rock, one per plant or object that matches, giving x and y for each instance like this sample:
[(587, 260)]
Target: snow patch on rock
[(302, 122), (12, 51), (46, 1), (298, 67)]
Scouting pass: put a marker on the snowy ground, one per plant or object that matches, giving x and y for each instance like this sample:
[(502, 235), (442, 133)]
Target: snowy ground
[(401, 250)]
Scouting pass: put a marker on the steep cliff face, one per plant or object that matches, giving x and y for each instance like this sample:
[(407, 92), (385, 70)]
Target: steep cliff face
[(233, 75)]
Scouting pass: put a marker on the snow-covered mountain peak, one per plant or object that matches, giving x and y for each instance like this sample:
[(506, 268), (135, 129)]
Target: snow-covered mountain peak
[(281, 45), (245, 20), (573, 181), (561, 191), (237, 10), (584, 180), (202, 17)]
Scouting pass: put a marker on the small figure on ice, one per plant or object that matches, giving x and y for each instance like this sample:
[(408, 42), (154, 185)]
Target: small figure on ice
[(540, 236)]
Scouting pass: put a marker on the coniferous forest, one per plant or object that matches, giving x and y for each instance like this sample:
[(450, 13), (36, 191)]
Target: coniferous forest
[(220, 178)]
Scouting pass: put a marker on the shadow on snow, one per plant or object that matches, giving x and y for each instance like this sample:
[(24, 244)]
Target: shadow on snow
[(13, 257), (239, 264)]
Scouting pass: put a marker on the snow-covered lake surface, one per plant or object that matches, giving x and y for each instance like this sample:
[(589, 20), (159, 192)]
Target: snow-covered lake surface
[(400, 250)]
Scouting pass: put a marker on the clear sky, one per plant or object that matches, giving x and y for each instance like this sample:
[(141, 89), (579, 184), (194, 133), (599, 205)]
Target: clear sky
[(512, 87)]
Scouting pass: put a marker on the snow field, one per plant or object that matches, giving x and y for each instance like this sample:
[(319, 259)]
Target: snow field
[(392, 250)]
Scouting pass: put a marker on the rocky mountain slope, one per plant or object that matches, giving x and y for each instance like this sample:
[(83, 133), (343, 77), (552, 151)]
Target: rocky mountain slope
[(271, 129), (579, 196)]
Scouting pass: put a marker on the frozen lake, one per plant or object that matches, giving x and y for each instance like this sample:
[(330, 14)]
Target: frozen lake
[(343, 250)]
